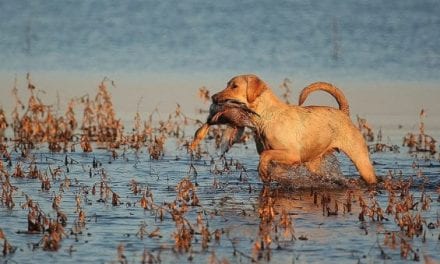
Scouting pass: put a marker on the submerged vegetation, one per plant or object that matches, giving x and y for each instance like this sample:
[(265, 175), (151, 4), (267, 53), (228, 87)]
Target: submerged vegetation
[(66, 176)]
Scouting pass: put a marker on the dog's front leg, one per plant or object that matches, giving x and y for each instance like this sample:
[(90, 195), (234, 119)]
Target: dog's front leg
[(287, 157), (314, 166)]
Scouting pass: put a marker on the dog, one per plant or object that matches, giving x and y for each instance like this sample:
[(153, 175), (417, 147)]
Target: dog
[(295, 134)]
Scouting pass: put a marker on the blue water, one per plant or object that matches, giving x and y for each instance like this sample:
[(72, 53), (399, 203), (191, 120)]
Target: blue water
[(396, 39), (380, 40)]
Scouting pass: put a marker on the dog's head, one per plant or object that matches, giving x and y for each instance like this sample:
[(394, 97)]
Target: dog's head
[(243, 88)]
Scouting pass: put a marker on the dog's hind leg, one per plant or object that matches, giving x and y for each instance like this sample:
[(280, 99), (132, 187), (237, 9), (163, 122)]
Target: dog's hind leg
[(356, 149)]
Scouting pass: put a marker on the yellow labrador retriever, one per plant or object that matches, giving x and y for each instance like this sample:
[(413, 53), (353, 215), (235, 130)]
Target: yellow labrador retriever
[(290, 134)]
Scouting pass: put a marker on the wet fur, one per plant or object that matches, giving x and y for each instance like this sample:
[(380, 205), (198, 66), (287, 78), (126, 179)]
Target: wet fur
[(291, 134)]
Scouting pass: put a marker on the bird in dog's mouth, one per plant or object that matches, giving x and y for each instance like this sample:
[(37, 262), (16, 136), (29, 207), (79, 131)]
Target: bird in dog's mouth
[(231, 112)]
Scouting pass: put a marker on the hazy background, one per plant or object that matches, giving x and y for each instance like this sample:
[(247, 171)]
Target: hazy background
[(385, 55)]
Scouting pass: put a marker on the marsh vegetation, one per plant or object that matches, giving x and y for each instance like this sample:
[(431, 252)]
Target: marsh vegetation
[(78, 185)]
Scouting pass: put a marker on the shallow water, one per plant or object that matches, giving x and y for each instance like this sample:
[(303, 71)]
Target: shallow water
[(393, 40), (229, 202), (183, 45)]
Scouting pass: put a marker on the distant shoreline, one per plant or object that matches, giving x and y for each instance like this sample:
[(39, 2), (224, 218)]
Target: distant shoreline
[(384, 103)]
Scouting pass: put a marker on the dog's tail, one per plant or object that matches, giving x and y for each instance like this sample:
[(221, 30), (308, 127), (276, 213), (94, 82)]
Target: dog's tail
[(329, 88)]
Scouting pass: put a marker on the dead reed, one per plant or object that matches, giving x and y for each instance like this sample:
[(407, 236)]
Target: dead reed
[(37, 125)]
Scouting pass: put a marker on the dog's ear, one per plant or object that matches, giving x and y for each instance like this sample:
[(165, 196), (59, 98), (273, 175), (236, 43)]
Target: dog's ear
[(255, 87)]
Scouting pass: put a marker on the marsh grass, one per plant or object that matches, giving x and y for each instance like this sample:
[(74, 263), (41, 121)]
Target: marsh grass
[(198, 213)]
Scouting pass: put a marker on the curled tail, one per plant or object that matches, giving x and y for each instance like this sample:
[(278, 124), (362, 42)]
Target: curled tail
[(329, 88)]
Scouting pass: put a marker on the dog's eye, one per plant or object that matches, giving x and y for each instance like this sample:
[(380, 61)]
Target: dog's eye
[(234, 86)]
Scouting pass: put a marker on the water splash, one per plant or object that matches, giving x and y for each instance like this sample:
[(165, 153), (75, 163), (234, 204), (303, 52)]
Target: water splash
[(299, 177)]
